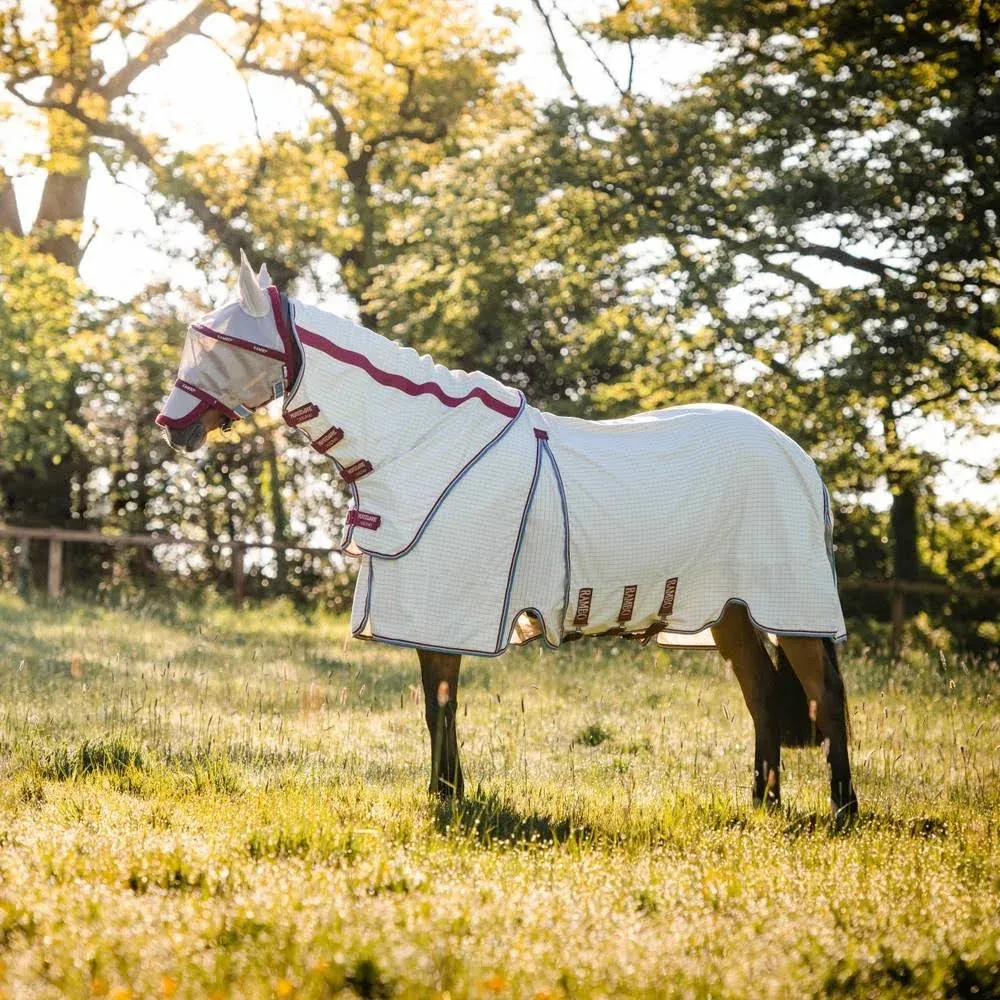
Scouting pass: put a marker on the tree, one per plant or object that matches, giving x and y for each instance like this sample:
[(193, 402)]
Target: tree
[(827, 194)]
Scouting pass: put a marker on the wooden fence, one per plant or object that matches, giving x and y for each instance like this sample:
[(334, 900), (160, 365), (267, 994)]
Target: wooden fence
[(57, 537)]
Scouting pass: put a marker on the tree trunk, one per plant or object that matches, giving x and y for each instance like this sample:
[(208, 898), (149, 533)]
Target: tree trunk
[(10, 220), (905, 530), (59, 224), (904, 525)]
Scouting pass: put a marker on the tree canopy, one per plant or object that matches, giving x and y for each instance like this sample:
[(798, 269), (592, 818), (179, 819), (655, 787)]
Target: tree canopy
[(807, 227)]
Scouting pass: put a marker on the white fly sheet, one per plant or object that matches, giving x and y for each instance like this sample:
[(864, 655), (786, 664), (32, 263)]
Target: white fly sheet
[(482, 521)]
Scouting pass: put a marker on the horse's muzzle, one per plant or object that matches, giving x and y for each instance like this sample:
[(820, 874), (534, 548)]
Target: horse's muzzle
[(188, 439)]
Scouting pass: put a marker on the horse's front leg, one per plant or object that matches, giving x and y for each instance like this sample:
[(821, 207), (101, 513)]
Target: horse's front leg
[(439, 673)]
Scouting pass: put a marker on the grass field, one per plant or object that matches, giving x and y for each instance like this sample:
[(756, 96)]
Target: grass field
[(213, 805)]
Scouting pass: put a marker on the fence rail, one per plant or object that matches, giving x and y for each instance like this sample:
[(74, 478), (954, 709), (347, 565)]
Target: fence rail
[(57, 537)]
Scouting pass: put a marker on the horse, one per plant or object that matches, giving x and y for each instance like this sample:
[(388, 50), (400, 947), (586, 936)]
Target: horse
[(482, 522)]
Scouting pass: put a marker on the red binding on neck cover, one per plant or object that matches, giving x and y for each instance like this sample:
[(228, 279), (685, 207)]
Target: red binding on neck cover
[(291, 360)]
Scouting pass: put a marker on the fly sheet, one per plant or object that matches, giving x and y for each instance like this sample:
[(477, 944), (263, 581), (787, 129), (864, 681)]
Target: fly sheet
[(482, 521)]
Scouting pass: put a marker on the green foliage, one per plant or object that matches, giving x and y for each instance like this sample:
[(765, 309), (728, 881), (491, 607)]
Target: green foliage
[(43, 342), (39, 307)]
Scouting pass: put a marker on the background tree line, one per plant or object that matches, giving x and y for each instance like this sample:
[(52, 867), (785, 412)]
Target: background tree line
[(807, 228)]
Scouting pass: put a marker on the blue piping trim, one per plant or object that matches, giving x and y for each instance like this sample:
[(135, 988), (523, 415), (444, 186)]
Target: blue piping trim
[(440, 500), (566, 547), (460, 651), (368, 598), (520, 539)]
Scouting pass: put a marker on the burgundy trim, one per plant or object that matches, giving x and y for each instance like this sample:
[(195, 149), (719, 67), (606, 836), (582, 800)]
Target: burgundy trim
[(669, 593), (400, 382), (628, 602), (187, 420), (205, 397), (352, 473), (541, 435), (247, 345), (287, 340), (328, 439), (301, 414), (363, 519), (582, 615)]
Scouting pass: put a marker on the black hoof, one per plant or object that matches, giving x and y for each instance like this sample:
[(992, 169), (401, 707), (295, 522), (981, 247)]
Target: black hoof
[(844, 816), (447, 790)]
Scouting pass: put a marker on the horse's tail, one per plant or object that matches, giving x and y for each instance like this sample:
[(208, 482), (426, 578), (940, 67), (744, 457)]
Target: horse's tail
[(798, 728)]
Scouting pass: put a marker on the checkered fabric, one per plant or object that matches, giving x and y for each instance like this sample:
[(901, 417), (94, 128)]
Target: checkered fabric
[(481, 521)]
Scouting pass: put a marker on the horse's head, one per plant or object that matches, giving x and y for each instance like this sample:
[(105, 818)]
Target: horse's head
[(234, 361)]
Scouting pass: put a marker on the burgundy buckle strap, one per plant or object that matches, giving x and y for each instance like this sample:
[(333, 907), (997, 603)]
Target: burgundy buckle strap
[(328, 439), (669, 593), (363, 519), (301, 414), (628, 602), (352, 473), (584, 598)]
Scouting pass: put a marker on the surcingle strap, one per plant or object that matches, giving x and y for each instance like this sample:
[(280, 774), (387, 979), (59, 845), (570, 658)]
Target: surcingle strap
[(363, 519), (352, 473), (628, 602), (583, 606), (328, 439), (669, 593), (301, 414)]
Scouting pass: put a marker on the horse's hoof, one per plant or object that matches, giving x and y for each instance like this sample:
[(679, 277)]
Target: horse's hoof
[(845, 816), (769, 803), (446, 791)]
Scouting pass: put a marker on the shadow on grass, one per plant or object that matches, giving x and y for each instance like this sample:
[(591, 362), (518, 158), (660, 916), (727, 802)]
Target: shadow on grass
[(798, 823), (490, 820)]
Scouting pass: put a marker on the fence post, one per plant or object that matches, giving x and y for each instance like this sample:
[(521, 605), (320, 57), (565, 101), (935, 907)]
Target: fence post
[(237, 553), (55, 568), (24, 567), (898, 621)]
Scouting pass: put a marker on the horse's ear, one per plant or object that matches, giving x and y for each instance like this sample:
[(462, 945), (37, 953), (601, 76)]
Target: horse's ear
[(263, 278), (252, 297)]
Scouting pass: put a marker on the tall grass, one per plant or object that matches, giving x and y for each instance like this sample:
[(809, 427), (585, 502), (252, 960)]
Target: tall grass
[(206, 804)]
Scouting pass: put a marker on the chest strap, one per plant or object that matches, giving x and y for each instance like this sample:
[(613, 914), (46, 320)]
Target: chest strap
[(352, 473)]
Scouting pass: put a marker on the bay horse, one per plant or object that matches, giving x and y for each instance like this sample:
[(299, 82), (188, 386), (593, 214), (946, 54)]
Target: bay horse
[(481, 521)]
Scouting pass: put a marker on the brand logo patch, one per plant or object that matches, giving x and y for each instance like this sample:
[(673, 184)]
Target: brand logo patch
[(669, 593), (628, 602), (327, 440), (301, 414), (354, 472), (363, 519), (583, 606)]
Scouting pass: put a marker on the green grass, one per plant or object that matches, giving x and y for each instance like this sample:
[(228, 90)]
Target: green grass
[(202, 805)]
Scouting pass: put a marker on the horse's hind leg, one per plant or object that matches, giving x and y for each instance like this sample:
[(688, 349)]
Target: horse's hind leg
[(741, 647), (439, 673), (815, 664)]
